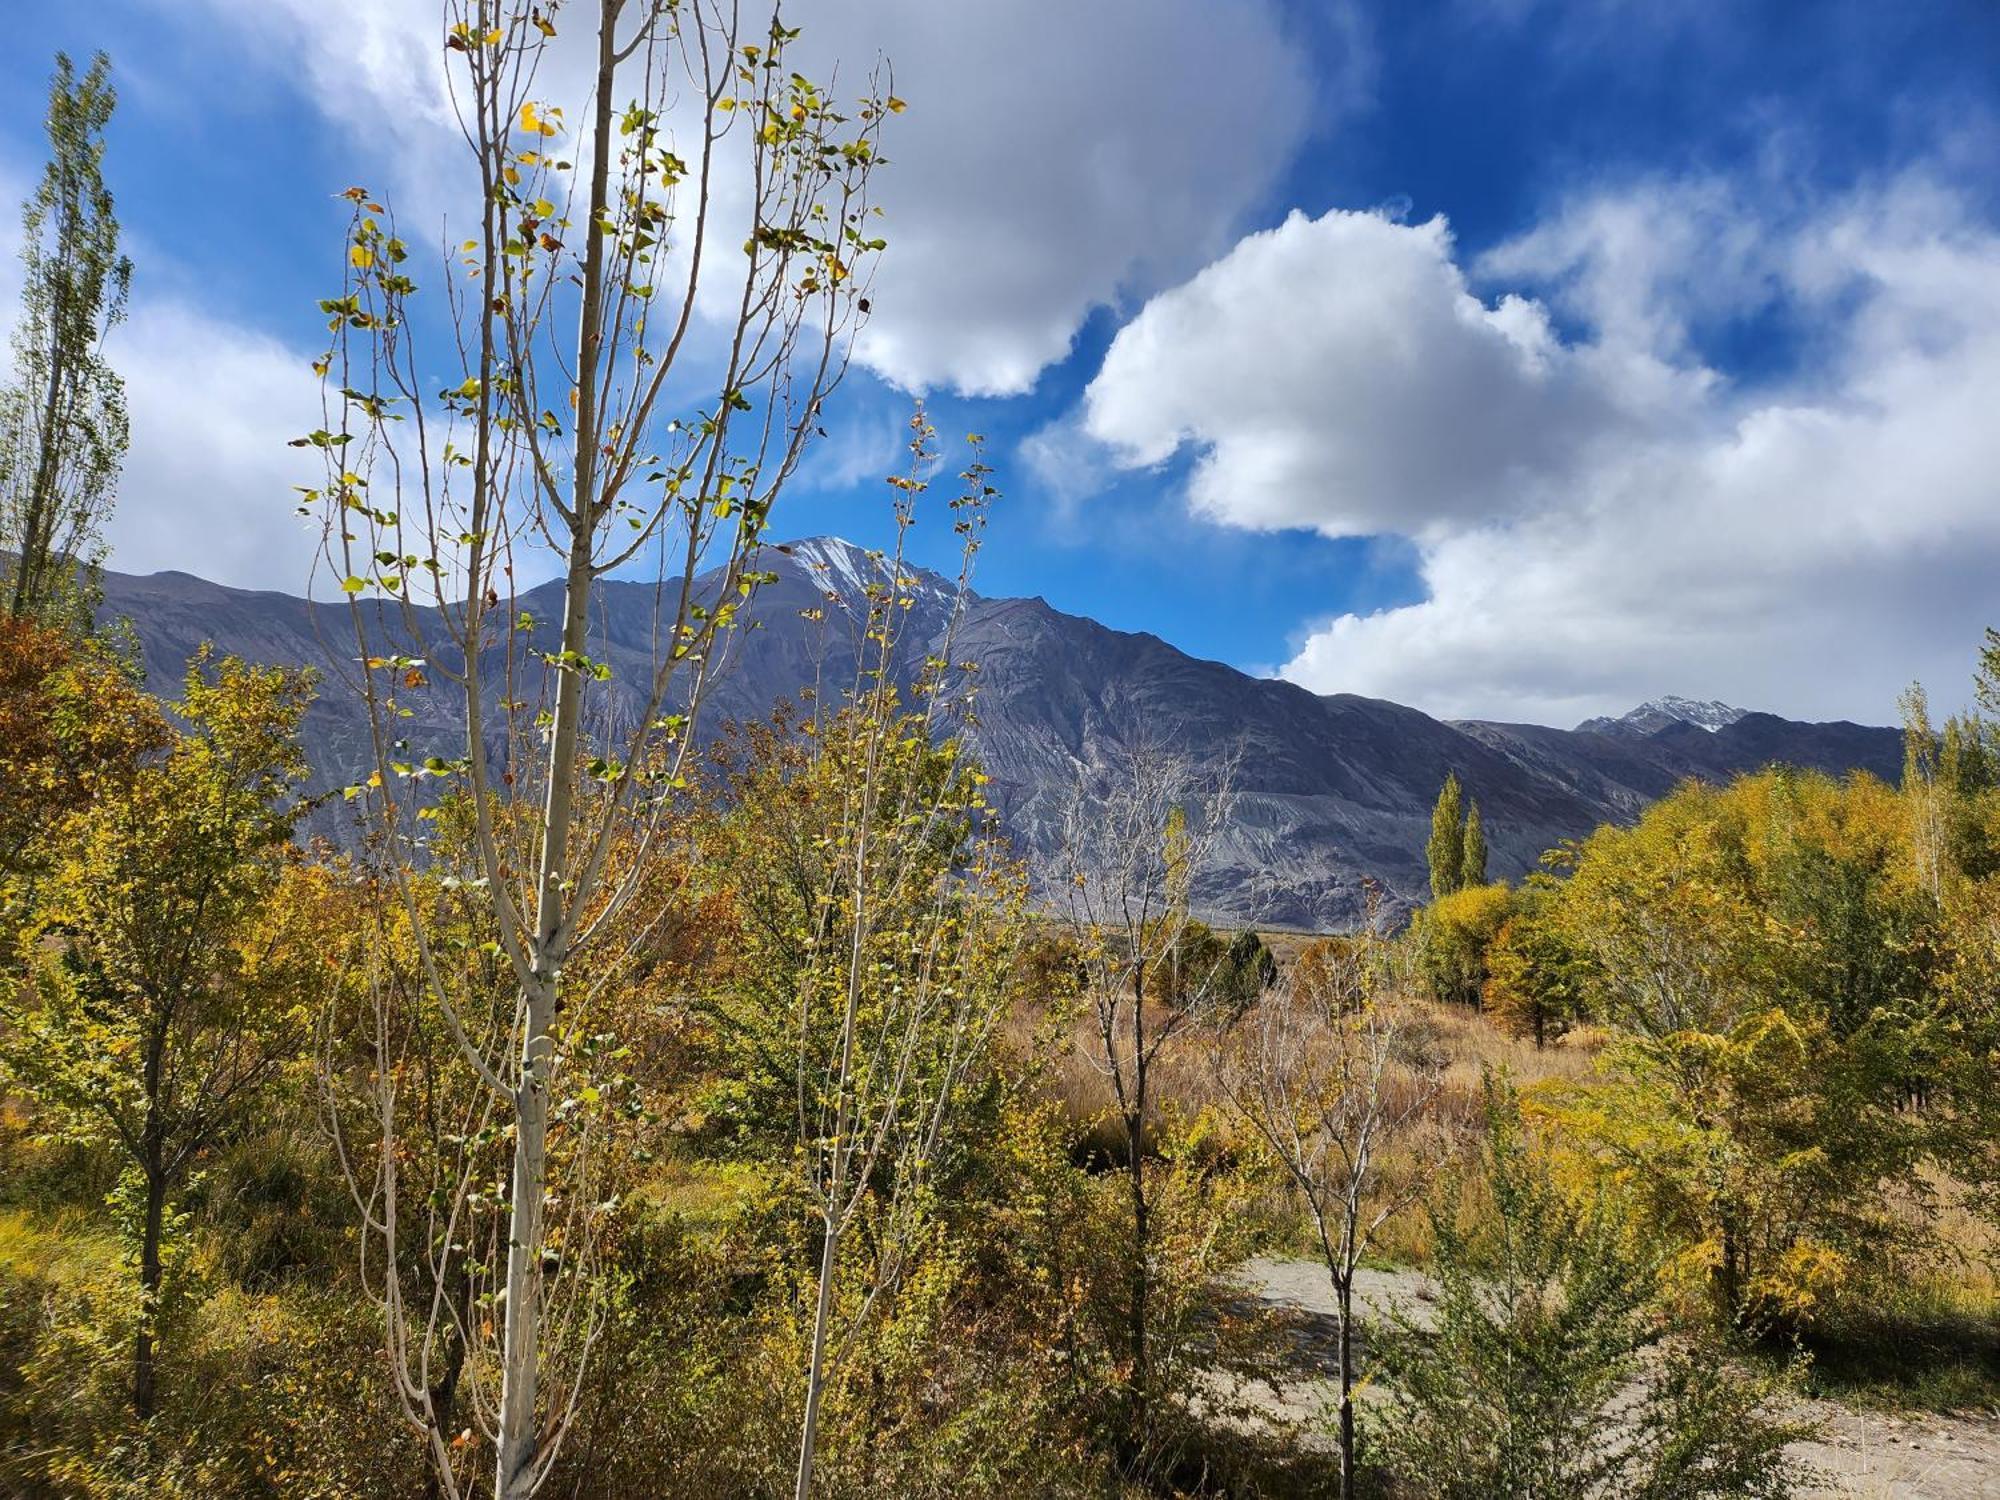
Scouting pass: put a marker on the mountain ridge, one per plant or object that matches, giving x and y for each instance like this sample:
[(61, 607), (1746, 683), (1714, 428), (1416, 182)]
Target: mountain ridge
[(1332, 791)]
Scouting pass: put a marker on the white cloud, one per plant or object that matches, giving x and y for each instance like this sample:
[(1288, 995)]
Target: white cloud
[(1054, 156), (1337, 373), (207, 486), (1605, 516)]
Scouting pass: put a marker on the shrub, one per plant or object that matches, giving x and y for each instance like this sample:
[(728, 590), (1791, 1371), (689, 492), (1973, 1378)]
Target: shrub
[(1547, 1373)]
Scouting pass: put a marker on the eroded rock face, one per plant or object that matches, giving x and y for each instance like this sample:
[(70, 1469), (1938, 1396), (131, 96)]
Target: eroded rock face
[(1331, 791)]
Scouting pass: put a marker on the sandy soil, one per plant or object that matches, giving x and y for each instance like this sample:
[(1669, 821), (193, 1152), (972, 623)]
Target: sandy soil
[(1862, 1453)]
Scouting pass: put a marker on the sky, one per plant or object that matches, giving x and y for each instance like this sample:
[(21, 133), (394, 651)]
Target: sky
[(1516, 359)]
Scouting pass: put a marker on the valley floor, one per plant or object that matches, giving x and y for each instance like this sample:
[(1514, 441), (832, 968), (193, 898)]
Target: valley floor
[(1867, 1454)]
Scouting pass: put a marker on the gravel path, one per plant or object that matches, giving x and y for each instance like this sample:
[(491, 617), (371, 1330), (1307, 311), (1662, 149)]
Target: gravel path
[(1865, 1454)]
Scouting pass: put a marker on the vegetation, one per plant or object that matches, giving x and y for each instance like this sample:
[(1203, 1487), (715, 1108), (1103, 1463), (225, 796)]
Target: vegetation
[(1533, 1378), (1456, 853), (631, 1104)]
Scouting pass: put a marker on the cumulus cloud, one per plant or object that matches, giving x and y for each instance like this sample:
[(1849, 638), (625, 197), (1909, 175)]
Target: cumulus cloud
[(1336, 373), (1602, 514), (1054, 156), (1057, 155), (207, 486)]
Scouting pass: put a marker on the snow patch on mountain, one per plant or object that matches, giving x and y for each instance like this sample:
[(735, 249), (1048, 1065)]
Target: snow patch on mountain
[(835, 562), (1651, 718)]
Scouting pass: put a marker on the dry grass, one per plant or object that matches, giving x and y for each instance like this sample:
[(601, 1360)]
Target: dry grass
[(1186, 1083)]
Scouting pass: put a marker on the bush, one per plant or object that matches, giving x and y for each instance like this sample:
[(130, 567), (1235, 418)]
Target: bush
[(1547, 1373)]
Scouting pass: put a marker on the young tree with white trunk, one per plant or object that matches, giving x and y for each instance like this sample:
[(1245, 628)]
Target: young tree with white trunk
[(647, 315)]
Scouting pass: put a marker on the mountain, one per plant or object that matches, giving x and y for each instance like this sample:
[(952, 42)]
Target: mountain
[(1651, 718), (1333, 790)]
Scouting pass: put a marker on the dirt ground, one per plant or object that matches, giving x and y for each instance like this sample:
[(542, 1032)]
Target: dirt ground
[(1862, 1453)]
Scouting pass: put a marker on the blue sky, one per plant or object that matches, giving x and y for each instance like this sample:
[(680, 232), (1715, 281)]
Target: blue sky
[(1520, 358)]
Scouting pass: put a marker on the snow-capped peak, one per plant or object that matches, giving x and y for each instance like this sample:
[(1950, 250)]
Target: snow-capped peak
[(1652, 717), (836, 566), (835, 562)]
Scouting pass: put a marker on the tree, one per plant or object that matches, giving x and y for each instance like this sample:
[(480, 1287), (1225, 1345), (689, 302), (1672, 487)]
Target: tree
[(1472, 866), (1920, 786), (1445, 853), (1765, 952), (1331, 1073), (1453, 936), (1253, 968), (1124, 872), (558, 433), (1535, 981), (1535, 1376), (62, 424), (167, 950), (73, 726), (894, 908)]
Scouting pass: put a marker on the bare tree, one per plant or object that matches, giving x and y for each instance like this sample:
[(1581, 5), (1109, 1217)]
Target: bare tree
[(1134, 839), (648, 321), (1330, 1073)]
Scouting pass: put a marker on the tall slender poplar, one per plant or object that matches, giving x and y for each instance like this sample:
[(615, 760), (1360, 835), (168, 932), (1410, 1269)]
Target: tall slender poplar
[(63, 426)]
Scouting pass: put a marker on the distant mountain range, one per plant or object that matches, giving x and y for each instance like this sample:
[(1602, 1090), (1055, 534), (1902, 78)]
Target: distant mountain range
[(1333, 790)]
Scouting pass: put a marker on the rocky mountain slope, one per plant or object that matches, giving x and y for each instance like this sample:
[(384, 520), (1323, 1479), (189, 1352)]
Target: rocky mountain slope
[(1332, 790)]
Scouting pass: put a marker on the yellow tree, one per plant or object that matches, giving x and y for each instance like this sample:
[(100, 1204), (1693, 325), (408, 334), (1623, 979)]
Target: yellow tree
[(168, 951), (1764, 953)]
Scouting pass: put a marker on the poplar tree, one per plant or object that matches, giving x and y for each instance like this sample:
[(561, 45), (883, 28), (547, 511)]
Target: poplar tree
[(1472, 865), (1446, 850), (63, 426), (590, 423)]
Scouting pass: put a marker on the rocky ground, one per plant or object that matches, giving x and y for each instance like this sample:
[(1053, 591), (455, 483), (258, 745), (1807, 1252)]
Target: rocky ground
[(1862, 1453)]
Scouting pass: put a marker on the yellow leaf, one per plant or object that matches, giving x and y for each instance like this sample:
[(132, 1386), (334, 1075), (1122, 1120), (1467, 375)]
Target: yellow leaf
[(361, 257)]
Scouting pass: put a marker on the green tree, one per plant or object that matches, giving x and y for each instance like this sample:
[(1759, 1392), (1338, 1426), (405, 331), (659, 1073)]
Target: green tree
[(62, 423), (1445, 853), (1540, 1377), (1534, 980), (162, 965), (1472, 866)]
